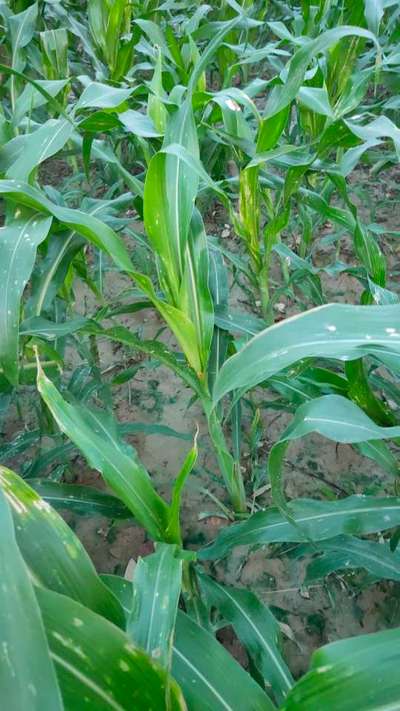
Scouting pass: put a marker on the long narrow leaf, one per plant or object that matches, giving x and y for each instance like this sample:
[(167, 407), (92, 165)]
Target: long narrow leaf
[(332, 331), (96, 435), (283, 95), (332, 416), (315, 520), (361, 672), (54, 554), (27, 675), (256, 628), (210, 679), (80, 499), (96, 663), (84, 224), (19, 240), (347, 552), (156, 590), (20, 156)]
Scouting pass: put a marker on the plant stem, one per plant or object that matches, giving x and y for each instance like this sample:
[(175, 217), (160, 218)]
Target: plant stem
[(229, 469), (191, 594)]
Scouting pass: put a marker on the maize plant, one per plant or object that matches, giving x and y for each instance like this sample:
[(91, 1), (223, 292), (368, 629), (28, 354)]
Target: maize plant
[(201, 198)]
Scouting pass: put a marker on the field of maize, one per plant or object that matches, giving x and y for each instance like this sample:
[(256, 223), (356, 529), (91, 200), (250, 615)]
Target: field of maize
[(199, 355)]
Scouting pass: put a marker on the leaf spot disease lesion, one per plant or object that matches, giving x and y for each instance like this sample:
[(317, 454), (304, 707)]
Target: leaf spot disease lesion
[(16, 504), (42, 505), (72, 550), (324, 669), (232, 105), (4, 649), (69, 644), (32, 689)]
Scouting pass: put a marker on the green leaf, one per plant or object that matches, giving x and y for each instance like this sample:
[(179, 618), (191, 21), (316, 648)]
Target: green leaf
[(219, 288), (316, 99), (101, 151), (53, 553), (211, 49), (155, 35), (80, 499), (237, 322), (54, 47), (333, 331), (19, 240), (31, 98), (195, 297), (361, 392), (271, 129), (337, 418), (313, 520), (156, 109), (357, 673), (169, 194), (174, 526), (281, 96), (374, 10), (42, 327), (157, 350), (332, 416), (96, 665), (179, 323), (210, 678), (20, 156), (177, 235), (102, 96), (110, 28), (152, 428), (156, 591), (295, 153), (50, 273), (84, 224), (96, 436), (372, 134), (27, 675), (138, 124), (22, 27), (347, 552), (122, 589), (256, 628), (9, 71), (193, 162), (381, 454)]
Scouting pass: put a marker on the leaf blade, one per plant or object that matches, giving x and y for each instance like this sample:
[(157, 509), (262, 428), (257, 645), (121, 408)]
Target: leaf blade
[(256, 628), (156, 590), (52, 551), (315, 520), (18, 243), (27, 675), (342, 675), (210, 679), (332, 331), (121, 469), (95, 661)]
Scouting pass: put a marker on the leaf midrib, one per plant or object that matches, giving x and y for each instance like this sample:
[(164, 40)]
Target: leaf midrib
[(314, 517), (203, 679)]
